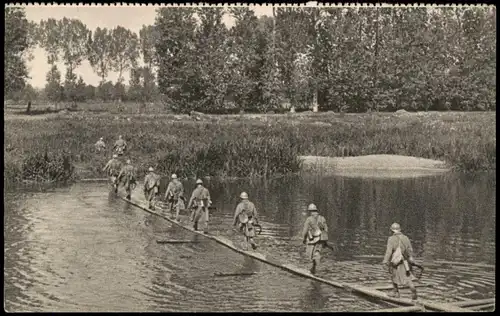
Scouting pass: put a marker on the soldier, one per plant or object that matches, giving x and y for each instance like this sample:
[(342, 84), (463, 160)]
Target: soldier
[(120, 146), (173, 195), (398, 258), (314, 235), (100, 145), (127, 178), (246, 215), (113, 169), (200, 201), (151, 185)]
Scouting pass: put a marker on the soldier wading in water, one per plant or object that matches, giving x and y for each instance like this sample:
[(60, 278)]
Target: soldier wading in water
[(199, 203), (127, 178), (151, 185), (314, 235), (174, 194), (113, 169), (246, 215), (398, 258)]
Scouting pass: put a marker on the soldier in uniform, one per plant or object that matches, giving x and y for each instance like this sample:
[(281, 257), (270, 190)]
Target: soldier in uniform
[(246, 215), (398, 258), (113, 169), (100, 145), (127, 177), (314, 235), (200, 201), (173, 195), (120, 146), (151, 185)]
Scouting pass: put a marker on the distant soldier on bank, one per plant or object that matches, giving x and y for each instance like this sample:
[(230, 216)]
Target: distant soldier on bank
[(113, 168), (151, 186), (174, 195), (120, 146), (314, 236), (100, 145), (199, 203), (127, 177), (398, 260), (245, 216)]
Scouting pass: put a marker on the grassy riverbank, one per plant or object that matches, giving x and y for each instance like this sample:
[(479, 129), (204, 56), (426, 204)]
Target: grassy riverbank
[(239, 145)]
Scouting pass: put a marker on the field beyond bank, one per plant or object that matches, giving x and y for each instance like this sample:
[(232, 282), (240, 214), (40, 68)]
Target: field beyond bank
[(61, 146)]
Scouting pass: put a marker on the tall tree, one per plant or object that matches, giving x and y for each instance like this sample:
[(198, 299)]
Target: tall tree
[(16, 46), (292, 40), (53, 88), (211, 63), (148, 37), (248, 58), (50, 39), (177, 77), (73, 40), (125, 50), (100, 52)]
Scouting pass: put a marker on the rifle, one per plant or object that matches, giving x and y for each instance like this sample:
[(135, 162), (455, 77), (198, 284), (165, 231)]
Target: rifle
[(327, 245), (418, 274)]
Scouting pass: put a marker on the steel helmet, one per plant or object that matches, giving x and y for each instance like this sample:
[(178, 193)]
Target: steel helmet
[(395, 227), (151, 169), (174, 176), (244, 195), (312, 208), (128, 161), (101, 138), (115, 156), (199, 181)]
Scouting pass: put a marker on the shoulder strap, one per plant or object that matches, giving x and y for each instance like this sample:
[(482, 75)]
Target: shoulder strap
[(403, 251)]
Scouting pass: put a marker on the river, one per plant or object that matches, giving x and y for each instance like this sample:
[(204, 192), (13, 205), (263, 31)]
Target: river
[(79, 248)]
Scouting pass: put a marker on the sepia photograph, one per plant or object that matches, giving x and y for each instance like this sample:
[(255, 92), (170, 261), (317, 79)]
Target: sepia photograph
[(249, 158)]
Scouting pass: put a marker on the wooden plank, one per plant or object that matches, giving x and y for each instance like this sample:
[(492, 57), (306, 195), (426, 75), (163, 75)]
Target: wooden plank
[(445, 307), (467, 264), (94, 180), (405, 309), (474, 302), (482, 307), (390, 287), (369, 257), (176, 241), (304, 273), (218, 274)]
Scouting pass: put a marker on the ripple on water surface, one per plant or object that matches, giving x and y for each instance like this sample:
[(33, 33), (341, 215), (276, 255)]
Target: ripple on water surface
[(76, 249)]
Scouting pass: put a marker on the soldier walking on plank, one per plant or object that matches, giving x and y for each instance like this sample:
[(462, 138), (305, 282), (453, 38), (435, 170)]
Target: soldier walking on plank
[(398, 258), (314, 235)]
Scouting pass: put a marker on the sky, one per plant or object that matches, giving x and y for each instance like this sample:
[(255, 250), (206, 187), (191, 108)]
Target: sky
[(128, 16)]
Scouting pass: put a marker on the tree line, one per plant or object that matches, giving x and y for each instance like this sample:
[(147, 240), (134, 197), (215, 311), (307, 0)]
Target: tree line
[(342, 59)]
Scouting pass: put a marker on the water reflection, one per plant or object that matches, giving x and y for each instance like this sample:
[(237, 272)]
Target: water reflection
[(79, 248), (448, 217), (314, 298)]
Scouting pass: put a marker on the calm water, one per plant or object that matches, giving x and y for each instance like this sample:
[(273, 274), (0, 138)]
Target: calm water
[(80, 249)]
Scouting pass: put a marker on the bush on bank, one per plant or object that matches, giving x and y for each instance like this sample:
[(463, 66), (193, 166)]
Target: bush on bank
[(241, 146)]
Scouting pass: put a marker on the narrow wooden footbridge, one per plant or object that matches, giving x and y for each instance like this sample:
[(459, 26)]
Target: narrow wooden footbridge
[(373, 292)]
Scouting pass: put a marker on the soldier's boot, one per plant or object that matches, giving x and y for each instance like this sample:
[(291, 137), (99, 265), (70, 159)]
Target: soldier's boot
[(253, 244), (177, 218), (195, 223), (413, 290), (313, 269), (205, 225), (395, 292)]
